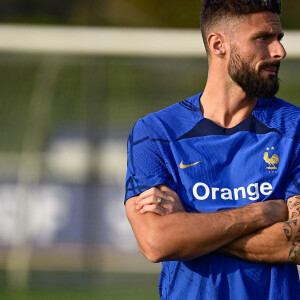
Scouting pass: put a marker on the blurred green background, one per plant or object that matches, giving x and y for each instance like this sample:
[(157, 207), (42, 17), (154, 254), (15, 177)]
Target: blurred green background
[(63, 230), (133, 13)]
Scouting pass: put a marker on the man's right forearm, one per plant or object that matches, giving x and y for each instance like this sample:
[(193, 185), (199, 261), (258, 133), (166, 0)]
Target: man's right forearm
[(186, 236)]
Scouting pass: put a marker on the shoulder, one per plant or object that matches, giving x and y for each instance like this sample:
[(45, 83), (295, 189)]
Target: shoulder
[(171, 122), (279, 114)]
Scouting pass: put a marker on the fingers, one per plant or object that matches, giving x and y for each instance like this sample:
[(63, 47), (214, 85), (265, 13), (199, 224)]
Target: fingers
[(161, 200), (154, 193), (150, 200), (154, 197), (153, 200), (161, 191), (153, 208)]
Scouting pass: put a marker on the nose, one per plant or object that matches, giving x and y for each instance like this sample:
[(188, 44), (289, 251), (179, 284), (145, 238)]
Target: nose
[(277, 50)]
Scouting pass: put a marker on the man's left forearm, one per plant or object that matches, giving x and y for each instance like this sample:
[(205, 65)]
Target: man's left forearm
[(279, 243)]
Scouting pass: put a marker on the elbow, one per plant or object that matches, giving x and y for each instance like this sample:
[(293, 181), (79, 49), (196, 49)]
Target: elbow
[(153, 256), (153, 247)]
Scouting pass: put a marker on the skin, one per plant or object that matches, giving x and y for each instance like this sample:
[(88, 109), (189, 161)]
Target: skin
[(257, 39), (278, 243), (165, 231), (180, 235)]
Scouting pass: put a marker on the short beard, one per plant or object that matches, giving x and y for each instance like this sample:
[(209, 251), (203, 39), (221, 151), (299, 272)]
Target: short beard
[(250, 80)]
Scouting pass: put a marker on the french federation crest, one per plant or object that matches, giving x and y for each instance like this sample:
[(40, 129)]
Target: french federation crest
[(272, 161)]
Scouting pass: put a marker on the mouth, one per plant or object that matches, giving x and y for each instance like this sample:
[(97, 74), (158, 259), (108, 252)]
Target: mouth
[(271, 69)]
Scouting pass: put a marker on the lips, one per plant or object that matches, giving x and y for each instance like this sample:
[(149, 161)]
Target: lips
[(271, 68)]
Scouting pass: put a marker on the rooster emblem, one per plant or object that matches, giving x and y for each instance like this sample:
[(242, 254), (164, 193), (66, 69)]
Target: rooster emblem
[(271, 161)]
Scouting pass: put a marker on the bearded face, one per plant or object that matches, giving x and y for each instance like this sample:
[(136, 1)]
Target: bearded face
[(252, 82)]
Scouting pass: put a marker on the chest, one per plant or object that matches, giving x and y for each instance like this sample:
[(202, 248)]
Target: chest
[(219, 172)]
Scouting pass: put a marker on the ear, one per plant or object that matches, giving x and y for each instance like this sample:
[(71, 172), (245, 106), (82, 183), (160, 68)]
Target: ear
[(217, 44)]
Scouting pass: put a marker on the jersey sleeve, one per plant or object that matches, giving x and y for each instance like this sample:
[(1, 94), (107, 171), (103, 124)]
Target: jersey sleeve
[(145, 165), (293, 180)]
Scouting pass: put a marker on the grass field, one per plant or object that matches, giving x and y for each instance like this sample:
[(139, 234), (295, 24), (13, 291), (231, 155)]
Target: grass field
[(124, 293), (83, 286), (80, 286), (62, 286)]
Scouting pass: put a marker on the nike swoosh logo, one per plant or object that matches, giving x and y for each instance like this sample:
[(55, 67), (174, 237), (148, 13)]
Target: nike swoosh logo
[(182, 166)]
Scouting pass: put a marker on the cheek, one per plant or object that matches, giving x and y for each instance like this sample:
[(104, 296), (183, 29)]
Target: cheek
[(257, 67), (254, 62)]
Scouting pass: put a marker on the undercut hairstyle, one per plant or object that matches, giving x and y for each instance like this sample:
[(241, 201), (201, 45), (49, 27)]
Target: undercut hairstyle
[(217, 11)]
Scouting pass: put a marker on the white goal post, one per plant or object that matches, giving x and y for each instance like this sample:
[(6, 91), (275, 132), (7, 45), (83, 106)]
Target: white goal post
[(111, 41)]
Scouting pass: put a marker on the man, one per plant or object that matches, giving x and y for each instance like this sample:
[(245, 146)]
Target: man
[(230, 155)]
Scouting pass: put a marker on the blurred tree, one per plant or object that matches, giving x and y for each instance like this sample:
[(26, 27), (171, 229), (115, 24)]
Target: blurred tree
[(36, 11), (145, 13), (290, 14), (156, 13)]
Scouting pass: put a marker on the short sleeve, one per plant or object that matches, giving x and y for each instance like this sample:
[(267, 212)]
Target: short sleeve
[(146, 167), (293, 179)]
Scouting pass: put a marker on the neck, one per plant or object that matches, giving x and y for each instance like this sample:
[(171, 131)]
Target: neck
[(224, 102)]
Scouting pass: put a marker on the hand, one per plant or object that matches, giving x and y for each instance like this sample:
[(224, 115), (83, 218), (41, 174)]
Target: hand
[(276, 210), (160, 200)]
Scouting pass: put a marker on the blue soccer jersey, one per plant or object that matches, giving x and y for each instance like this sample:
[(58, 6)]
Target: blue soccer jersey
[(214, 168)]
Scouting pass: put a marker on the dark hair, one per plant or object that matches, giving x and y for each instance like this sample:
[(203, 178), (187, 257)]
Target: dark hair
[(216, 10)]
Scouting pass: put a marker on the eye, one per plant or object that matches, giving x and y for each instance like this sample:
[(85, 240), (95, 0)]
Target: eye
[(262, 37)]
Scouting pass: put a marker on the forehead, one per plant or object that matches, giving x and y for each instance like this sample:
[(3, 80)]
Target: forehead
[(259, 22)]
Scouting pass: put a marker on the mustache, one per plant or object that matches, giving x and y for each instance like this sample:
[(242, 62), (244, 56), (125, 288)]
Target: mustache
[(270, 64)]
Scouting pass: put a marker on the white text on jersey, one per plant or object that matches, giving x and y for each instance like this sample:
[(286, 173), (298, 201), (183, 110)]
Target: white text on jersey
[(202, 191)]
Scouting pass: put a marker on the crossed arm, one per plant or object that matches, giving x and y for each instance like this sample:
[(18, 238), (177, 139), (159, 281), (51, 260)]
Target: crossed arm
[(167, 233), (277, 243), (258, 232)]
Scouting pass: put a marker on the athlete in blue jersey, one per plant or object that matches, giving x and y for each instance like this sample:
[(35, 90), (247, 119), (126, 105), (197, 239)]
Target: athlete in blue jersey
[(213, 182)]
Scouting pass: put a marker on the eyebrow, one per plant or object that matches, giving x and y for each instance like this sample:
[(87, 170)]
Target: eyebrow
[(269, 34)]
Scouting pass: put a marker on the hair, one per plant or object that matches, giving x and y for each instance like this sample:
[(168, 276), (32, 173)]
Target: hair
[(217, 11)]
